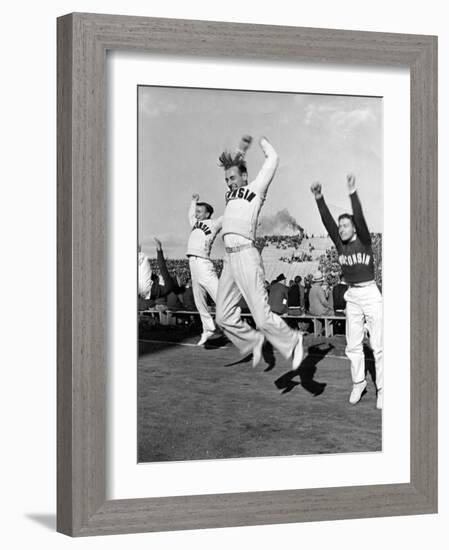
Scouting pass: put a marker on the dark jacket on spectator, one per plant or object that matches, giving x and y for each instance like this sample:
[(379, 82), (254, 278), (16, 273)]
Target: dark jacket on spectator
[(278, 298), (173, 301), (296, 296), (187, 298), (338, 294)]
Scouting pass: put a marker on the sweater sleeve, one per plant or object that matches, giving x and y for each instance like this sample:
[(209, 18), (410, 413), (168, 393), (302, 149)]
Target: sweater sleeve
[(359, 219), (218, 223), (191, 214), (266, 174), (328, 221)]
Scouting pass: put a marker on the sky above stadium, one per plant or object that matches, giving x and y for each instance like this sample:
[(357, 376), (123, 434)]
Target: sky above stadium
[(318, 137)]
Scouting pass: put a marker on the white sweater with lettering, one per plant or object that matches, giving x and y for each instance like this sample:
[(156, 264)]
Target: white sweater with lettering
[(243, 205), (202, 235)]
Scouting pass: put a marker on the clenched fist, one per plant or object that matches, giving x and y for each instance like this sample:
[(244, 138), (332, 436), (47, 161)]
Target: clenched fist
[(316, 189), (245, 143), (196, 197)]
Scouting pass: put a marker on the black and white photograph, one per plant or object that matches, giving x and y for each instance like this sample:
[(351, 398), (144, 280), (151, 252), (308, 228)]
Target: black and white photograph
[(260, 224), (225, 218)]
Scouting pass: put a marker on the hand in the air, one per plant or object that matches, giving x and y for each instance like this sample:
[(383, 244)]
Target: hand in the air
[(316, 189), (158, 243), (196, 197), (350, 178), (245, 143)]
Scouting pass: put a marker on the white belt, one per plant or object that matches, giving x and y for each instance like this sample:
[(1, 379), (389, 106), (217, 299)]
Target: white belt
[(230, 249)]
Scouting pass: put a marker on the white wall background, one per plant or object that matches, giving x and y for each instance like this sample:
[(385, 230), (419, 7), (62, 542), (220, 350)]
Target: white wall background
[(28, 237)]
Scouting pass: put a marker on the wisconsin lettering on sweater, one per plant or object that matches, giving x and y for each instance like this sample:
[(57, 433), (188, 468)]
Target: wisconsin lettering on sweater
[(355, 257), (240, 193)]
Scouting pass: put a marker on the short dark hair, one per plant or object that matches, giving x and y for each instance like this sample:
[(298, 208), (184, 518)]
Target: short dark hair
[(346, 216), (207, 206), (227, 159), (298, 279)]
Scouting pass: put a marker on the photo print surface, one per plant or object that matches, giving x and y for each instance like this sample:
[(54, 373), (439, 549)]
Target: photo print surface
[(260, 225)]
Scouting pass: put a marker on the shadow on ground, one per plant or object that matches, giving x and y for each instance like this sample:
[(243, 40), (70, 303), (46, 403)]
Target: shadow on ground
[(306, 372)]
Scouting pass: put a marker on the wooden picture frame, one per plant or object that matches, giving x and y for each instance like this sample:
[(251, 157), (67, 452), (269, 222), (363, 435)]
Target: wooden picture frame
[(83, 40)]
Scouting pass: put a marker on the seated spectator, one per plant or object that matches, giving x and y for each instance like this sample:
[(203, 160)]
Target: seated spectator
[(329, 296), (278, 297), (187, 297), (293, 296), (307, 285), (338, 294), (173, 301), (160, 303), (319, 305), (296, 294), (298, 280)]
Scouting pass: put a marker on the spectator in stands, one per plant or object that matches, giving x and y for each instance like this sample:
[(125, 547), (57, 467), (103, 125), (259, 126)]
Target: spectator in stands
[(160, 303), (319, 305), (149, 287), (328, 293), (296, 294), (307, 285), (302, 291), (339, 296), (173, 299), (187, 297), (278, 297)]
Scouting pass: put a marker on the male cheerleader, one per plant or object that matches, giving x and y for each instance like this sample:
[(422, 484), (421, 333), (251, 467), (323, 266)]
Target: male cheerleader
[(147, 289), (352, 240), (204, 278), (243, 272)]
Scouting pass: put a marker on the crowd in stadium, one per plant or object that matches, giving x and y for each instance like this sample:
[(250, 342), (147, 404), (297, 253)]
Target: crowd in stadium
[(281, 241), (297, 258), (317, 294), (314, 294)]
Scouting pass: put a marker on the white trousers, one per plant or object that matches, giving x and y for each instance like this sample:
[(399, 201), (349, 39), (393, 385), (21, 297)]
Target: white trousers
[(243, 275), (364, 304), (204, 282)]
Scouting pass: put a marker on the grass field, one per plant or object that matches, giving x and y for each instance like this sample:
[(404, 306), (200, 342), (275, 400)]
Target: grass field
[(196, 403)]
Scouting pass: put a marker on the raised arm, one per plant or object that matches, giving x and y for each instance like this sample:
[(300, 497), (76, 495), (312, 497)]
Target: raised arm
[(218, 222), (266, 174), (169, 283), (192, 217), (326, 216), (359, 219)]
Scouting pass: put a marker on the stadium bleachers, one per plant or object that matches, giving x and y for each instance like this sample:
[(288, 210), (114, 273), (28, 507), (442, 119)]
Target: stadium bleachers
[(167, 316)]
